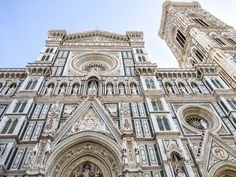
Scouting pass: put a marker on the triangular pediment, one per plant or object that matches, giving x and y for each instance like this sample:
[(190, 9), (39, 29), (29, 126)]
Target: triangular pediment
[(90, 116), (215, 150)]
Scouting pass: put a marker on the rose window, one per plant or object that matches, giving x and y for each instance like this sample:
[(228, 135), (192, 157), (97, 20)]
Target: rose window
[(197, 122), (101, 63), (95, 67)]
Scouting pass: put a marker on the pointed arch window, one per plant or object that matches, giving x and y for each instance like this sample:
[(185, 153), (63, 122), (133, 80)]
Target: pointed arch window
[(199, 55), (180, 38), (6, 127), (157, 105), (150, 83), (219, 41), (216, 83), (163, 123), (13, 126), (31, 85), (20, 106), (9, 126), (51, 50), (232, 103), (231, 41), (200, 22)]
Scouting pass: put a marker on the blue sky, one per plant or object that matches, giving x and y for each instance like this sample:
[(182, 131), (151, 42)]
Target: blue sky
[(24, 24)]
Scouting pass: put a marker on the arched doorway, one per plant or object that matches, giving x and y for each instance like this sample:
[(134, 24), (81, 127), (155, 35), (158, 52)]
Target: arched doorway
[(85, 152), (225, 171)]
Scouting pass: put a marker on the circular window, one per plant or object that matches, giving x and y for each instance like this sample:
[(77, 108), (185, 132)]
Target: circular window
[(198, 118), (197, 122), (98, 62)]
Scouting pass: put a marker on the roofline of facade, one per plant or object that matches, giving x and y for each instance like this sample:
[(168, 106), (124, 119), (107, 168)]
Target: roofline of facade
[(71, 36)]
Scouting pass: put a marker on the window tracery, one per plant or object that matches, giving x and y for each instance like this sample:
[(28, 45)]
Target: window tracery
[(197, 122)]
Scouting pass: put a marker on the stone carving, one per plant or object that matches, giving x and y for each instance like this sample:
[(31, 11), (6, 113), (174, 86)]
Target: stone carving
[(124, 153), (169, 88), (109, 90), (52, 116), (125, 114), (122, 89), (75, 89), (182, 88), (90, 121), (112, 109), (92, 90), (180, 173), (219, 153), (11, 90), (68, 110), (49, 90), (133, 90), (62, 90), (137, 152)]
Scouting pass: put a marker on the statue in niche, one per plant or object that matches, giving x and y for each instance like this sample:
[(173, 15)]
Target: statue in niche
[(109, 90), (169, 88), (47, 150), (75, 89), (62, 90), (87, 172), (92, 90), (124, 154), (182, 88), (122, 89), (179, 173), (52, 115), (49, 90), (133, 90), (195, 88), (137, 152), (11, 90)]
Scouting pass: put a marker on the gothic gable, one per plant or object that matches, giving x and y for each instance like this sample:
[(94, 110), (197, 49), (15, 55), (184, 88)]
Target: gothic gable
[(213, 152), (90, 116)]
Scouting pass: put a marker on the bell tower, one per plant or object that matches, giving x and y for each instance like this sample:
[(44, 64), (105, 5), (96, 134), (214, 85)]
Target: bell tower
[(195, 37)]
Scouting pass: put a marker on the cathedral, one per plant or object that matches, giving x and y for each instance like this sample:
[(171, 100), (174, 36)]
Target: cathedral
[(94, 105)]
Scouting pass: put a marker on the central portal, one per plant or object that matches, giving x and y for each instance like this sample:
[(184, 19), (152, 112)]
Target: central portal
[(85, 156), (87, 169)]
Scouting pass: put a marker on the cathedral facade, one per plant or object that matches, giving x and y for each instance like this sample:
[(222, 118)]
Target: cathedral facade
[(94, 105)]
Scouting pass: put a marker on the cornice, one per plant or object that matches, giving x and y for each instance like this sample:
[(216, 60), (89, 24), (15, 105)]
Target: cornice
[(13, 73)]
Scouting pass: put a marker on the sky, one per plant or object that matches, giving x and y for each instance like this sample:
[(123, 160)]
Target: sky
[(24, 24)]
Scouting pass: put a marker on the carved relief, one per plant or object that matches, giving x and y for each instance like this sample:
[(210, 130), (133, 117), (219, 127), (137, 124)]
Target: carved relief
[(68, 110), (90, 121)]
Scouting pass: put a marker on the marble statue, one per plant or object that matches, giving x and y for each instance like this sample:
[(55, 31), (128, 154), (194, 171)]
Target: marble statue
[(92, 88)]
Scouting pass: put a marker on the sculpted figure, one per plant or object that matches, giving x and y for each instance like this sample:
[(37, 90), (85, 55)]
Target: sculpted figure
[(11, 90), (169, 88), (92, 88), (182, 88), (133, 90), (109, 90), (122, 89), (49, 90), (75, 90), (180, 173), (62, 90), (137, 152)]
